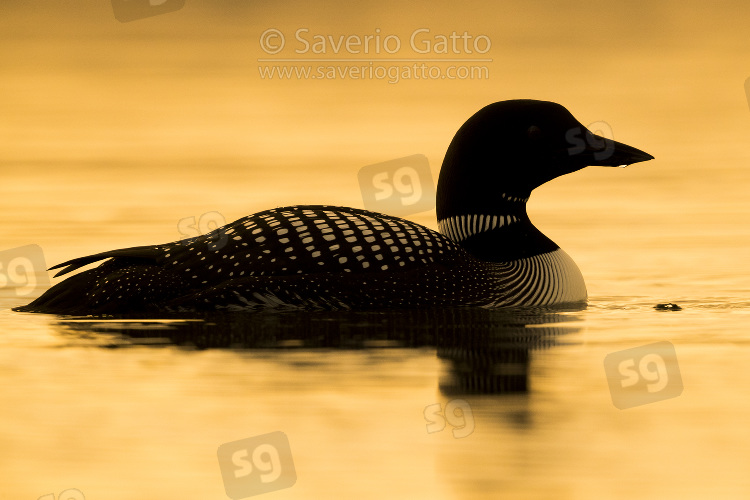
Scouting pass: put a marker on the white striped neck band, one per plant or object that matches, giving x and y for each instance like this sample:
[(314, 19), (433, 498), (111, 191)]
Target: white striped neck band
[(518, 199), (460, 227)]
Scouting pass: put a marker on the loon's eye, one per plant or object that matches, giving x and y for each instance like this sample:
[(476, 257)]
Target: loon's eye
[(534, 133)]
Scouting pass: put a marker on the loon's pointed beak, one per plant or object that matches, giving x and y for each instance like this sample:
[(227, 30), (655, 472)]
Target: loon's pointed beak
[(603, 152)]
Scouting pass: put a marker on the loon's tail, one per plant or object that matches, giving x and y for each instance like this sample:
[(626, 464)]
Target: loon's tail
[(127, 275), (65, 297)]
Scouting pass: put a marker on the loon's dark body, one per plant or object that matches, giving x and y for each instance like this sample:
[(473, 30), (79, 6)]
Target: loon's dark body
[(324, 257)]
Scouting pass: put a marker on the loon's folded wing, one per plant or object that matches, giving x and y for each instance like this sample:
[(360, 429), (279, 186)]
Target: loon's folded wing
[(145, 252)]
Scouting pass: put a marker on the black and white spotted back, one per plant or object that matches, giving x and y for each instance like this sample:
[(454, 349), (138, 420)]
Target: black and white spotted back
[(307, 240)]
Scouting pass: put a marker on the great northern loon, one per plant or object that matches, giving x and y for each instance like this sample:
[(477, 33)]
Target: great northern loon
[(488, 253)]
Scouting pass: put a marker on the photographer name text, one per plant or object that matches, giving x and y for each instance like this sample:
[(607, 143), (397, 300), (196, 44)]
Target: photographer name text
[(421, 41)]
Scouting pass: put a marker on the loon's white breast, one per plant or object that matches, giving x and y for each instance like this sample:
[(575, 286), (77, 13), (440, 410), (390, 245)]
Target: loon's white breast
[(541, 280)]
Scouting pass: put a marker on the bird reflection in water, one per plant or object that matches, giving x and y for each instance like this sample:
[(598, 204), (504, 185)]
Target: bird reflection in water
[(486, 351)]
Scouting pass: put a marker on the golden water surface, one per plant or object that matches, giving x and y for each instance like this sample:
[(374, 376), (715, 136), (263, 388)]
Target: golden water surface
[(113, 133)]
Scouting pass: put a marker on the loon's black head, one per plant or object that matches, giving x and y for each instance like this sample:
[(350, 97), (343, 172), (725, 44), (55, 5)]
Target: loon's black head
[(511, 147)]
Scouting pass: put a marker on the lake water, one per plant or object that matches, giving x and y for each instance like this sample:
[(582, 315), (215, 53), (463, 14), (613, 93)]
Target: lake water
[(114, 134)]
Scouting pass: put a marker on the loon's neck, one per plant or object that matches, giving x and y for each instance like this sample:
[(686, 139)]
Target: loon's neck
[(500, 233)]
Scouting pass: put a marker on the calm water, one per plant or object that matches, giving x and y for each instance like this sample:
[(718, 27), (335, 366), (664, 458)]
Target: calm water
[(112, 134)]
